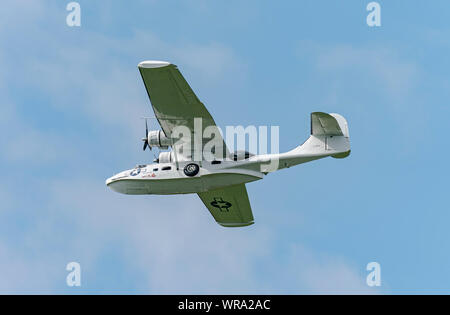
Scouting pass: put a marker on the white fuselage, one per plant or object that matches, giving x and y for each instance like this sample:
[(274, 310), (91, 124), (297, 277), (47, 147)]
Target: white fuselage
[(169, 178)]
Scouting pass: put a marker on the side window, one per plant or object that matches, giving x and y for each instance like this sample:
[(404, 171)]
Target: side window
[(166, 168), (155, 170)]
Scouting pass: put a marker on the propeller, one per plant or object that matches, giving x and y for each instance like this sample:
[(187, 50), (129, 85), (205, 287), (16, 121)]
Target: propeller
[(146, 137)]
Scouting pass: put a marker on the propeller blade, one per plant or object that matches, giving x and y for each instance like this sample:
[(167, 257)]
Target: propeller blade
[(146, 137)]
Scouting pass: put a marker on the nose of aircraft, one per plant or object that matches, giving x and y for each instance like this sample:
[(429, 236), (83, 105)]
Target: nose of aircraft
[(116, 184), (109, 181)]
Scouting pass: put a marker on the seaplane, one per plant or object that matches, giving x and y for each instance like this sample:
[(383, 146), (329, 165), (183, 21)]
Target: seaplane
[(199, 162)]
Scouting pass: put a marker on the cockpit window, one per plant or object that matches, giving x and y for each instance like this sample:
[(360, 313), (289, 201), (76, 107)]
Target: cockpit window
[(241, 155)]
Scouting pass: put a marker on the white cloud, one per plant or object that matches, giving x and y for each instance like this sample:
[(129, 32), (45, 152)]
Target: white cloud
[(22, 142), (172, 243), (371, 66), (325, 274), (376, 83), (397, 76), (104, 87), (27, 268)]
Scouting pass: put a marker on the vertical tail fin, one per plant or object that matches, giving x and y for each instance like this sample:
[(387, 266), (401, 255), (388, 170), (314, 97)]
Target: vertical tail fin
[(340, 141), (329, 136)]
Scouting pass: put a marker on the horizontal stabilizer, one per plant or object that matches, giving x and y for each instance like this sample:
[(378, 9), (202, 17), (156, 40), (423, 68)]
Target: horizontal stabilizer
[(323, 124)]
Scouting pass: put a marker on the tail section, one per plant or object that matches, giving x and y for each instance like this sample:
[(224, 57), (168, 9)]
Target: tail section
[(329, 137), (332, 131)]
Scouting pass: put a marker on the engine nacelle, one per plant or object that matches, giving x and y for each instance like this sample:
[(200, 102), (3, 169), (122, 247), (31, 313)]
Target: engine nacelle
[(166, 157), (157, 138)]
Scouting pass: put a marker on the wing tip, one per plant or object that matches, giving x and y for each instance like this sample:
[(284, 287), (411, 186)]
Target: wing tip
[(240, 224), (151, 64)]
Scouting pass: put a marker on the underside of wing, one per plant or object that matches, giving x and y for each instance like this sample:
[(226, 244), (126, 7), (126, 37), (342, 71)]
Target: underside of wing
[(229, 206), (175, 104)]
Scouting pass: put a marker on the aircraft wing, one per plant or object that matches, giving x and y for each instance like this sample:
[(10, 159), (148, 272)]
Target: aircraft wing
[(229, 206), (174, 102)]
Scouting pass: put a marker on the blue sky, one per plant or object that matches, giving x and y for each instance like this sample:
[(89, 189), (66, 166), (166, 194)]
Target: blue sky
[(72, 99)]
